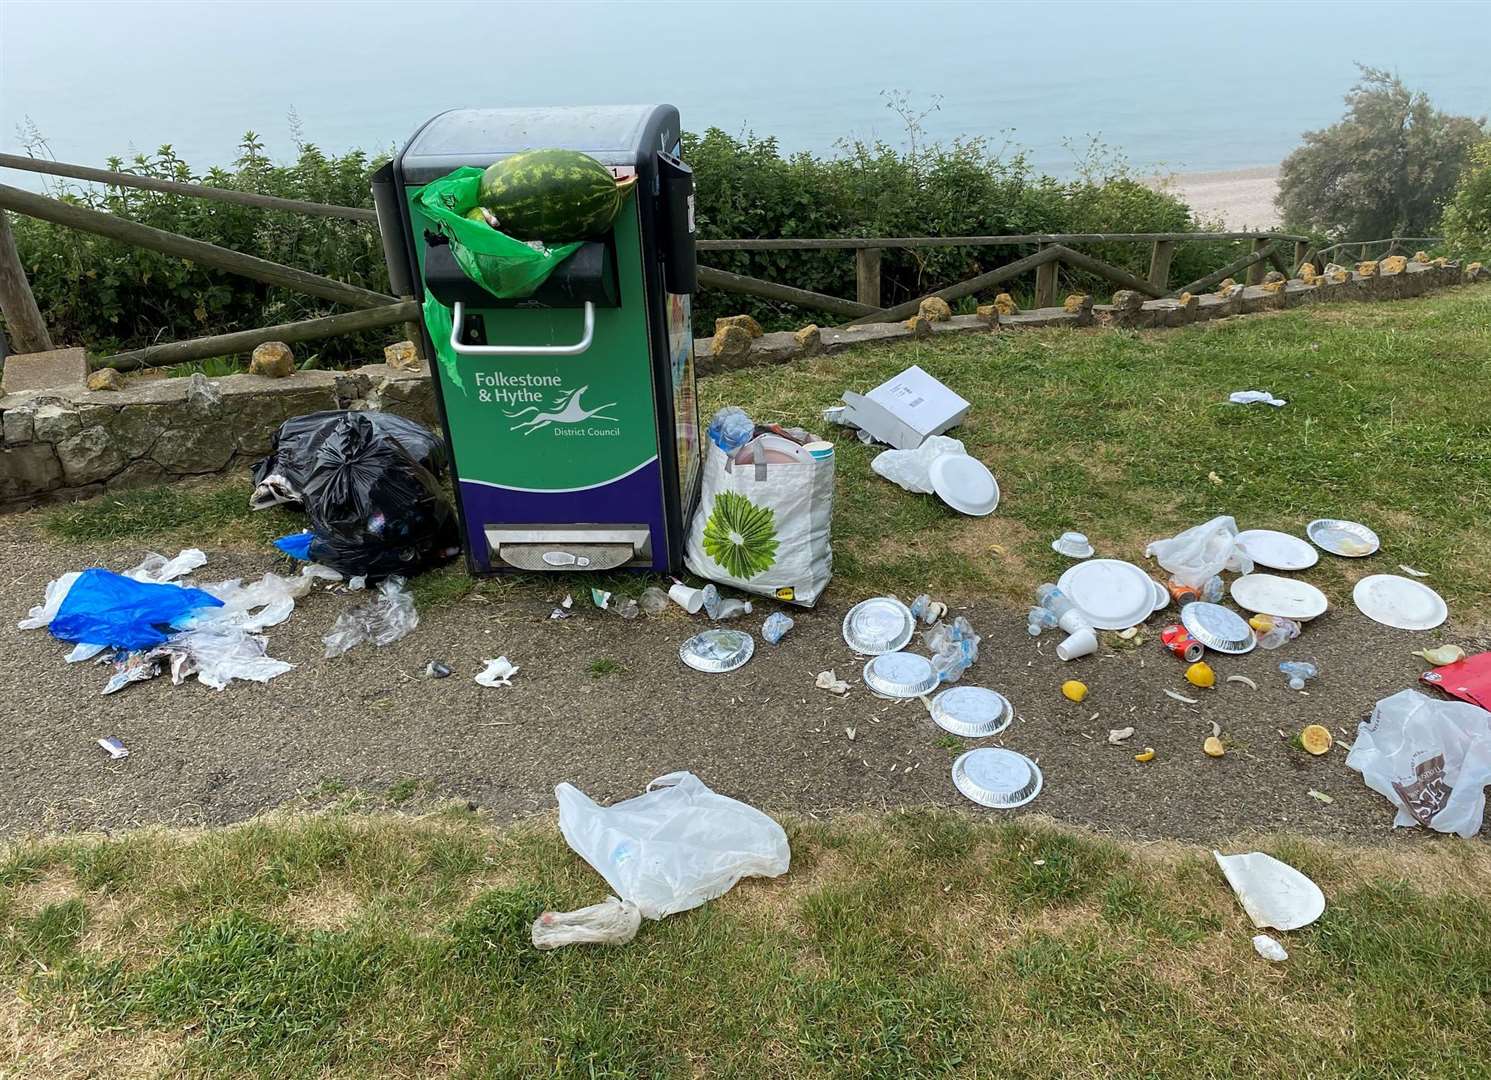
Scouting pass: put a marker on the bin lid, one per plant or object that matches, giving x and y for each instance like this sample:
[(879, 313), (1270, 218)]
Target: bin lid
[(612, 134)]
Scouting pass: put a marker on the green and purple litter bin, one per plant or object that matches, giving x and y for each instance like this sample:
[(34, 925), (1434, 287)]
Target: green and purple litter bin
[(570, 412)]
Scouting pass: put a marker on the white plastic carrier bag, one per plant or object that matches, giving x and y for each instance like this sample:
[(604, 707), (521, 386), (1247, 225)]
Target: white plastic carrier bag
[(674, 847)]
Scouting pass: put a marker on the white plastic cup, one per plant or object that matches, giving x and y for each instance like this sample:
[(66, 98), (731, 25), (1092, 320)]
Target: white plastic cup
[(1073, 622), (691, 600), (1083, 643)]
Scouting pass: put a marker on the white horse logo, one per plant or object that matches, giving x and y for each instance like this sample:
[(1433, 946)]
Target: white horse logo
[(567, 410)]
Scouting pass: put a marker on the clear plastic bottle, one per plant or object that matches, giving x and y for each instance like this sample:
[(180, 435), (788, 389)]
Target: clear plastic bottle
[(1040, 618), (731, 608), (950, 666), (731, 428), (945, 636), (1283, 630), (1213, 591), (654, 601), (919, 608), (711, 601), (1068, 617), (628, 608), (1298, 672), (777, 624)]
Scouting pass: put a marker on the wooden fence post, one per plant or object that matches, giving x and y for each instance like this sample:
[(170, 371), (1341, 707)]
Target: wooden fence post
[(1160, 254), (867, 276), (1255, 271), (1302, 254), (28, 330), (1045, 283)]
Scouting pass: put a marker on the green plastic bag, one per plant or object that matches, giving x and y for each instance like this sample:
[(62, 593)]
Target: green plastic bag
[(438, 321), (508, 269)]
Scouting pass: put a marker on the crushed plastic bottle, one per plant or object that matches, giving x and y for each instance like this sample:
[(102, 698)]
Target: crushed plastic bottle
[(1040, 618), (1282, 630), (919, 606), (777, 624), (731, 428), (950, 666), (1298, 672), (954, 648), (628, 608), (1068, 617), (1213, 591), (654, 601), (730, 609), (711, 601)]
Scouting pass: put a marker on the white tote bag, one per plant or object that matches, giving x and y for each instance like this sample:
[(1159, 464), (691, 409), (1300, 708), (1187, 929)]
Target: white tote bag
[(764, 528)]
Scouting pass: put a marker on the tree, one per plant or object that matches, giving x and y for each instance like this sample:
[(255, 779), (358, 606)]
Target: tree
[(1386, 169), (1467, 220)]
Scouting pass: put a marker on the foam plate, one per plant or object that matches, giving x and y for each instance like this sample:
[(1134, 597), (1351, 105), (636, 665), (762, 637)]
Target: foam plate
[(1112, 594), (1271, 595), (964, 483), (1399, 602), (1277, 550)]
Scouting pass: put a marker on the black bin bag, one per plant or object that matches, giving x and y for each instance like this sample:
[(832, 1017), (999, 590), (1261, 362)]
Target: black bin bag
[(374, 508), (281, 477)]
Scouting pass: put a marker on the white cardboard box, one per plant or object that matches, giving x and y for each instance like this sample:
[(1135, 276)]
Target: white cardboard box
[(906, 409)]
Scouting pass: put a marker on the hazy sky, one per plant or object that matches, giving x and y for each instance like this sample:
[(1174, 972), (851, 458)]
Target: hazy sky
[(1161, 80)]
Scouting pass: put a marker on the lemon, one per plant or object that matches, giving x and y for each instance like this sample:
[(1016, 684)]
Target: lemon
[(1213, 747), (1073, 690), (1316, 739), (1200, 674)]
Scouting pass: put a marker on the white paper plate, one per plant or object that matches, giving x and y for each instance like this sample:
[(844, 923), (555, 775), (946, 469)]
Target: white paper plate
[(1161, 596), (1399, 602), (1350, 539), (1277, 550), (1273, 893), (1272, 595), (1112, 594), (964, 483)]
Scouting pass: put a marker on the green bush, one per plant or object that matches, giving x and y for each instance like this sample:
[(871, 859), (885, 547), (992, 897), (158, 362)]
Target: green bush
[(1467, 220), (745, 188), (109, 296)]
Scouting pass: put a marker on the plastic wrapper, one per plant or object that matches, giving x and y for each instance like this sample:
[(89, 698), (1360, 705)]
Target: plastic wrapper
[(611, 922), (220, 654), (251, 608), (1429, 758), (381, 621), (374, 509), (911, 469), (159, 569), (674, 847), (1201, 553), (281, 477)]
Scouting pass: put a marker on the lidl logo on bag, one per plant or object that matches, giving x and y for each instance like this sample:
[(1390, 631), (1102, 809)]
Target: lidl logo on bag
[(786, 592)]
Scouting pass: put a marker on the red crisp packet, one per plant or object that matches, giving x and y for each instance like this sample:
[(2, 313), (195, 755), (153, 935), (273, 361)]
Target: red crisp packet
[(1468, 679)]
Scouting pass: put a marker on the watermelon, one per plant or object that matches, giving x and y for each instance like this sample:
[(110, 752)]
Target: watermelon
[(555, 196)]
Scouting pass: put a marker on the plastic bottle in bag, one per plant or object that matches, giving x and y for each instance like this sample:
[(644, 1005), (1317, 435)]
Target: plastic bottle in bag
[(1040, 618), (731, 428), (1283, 630)]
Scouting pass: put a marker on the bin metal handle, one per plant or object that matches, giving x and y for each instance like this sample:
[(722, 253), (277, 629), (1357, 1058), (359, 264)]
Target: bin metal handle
[(458, 314)]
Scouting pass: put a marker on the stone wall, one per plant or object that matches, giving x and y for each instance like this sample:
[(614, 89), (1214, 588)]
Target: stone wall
[(65, 444), (77, 442), (1129, 309)]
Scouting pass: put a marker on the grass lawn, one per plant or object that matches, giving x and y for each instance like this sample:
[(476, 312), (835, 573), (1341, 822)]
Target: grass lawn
[(912, 944), (1122, 435)]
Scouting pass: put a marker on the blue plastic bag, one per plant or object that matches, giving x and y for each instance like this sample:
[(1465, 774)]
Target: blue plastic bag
[(105, 608), (297, 545)]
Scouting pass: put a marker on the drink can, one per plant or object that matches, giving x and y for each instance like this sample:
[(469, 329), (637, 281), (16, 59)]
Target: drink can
[(1182, 594), (1179, 641)]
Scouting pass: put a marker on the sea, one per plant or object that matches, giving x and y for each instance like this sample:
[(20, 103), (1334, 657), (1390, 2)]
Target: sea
[(1173, 87)]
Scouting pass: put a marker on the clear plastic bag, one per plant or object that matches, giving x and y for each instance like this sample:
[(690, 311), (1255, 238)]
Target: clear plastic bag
[(911, 469), (674, 847), (382, 621), (611, 922), (1429, 758), (1201, 553)]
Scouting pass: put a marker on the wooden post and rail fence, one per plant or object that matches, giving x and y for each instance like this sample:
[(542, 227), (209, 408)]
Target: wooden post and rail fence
[(27, 329)]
